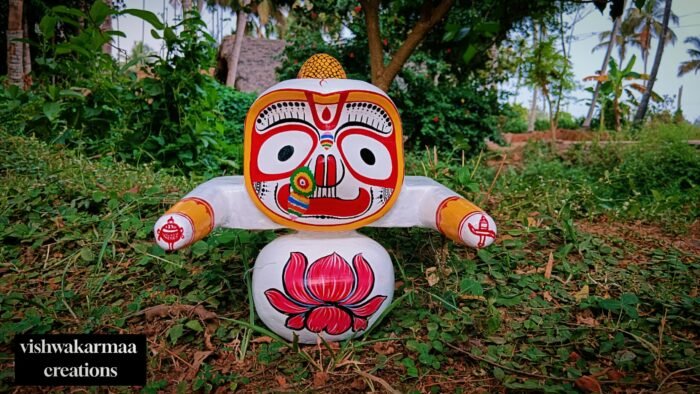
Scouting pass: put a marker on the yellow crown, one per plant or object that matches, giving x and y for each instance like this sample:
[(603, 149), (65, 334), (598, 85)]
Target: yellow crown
[(322, 66)]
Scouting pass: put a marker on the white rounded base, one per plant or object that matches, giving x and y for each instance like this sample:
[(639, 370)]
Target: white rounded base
[(332, 285)]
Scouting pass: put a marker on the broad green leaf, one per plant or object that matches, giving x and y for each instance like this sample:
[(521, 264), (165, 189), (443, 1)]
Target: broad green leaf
[(629, 299), (469, 54), (87, 254), (71, 93), (51, 110), (471, 287), (115, 33), (169, 34), (175, 333), (498, 373), (61, 9), (47, 26), (508, 301), (200, 248), (194, 325), (99, 11), (148, 16)]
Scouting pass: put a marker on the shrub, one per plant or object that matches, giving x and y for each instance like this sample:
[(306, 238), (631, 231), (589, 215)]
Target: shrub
[(176, 117), (513, 119)]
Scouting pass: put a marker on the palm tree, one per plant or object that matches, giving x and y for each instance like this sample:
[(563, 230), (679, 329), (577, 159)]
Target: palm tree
[(625, 36), (693, 64), (15, 48), (616, 27), (644, 103), (616, 82), (646, 22)]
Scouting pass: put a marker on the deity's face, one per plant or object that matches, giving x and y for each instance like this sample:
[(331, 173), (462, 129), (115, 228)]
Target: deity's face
[(323, 154)]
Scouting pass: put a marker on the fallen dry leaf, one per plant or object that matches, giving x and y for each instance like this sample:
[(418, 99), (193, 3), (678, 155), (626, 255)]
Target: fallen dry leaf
[(432, 276), (532, 222), (263, 339), (582, 294), (199, 357), (164, 310), (134, 190), (320, 379), (358, 384), (614, 374), (588, 384), (385, 348), (586, 320), (282, 381), (547, 297), (549, 266)]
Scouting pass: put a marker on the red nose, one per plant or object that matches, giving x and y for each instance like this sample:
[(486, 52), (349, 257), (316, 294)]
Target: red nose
[(326, 171)]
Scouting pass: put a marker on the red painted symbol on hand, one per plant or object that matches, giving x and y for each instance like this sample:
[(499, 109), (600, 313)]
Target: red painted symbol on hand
[(171, 232), (483, 231)]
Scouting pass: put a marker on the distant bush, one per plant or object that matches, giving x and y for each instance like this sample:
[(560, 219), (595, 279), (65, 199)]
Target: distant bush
[(657, 175), (568, 121), (451, 118), (513, 119)]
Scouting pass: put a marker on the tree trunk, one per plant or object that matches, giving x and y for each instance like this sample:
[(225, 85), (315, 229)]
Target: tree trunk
[(241, 19), (27, 63), (15, 49), (532, 116), (604, 71), (616, 110), (383, 76), (644, 104), (107, 25)]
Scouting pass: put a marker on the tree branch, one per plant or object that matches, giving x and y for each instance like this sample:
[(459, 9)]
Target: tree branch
[(376, 55), (419, 31)]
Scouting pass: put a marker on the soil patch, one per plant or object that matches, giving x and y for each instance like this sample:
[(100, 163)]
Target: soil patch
[(646, 236)]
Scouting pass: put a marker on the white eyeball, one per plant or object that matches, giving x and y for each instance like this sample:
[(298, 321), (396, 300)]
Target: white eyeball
[(284, 152), (367, 156)]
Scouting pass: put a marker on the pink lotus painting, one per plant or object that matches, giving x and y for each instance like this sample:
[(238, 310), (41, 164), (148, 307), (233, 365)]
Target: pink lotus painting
[(329, 295)]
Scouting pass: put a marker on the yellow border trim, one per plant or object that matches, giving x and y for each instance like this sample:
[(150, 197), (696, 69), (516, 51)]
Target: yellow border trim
[(294, 94)]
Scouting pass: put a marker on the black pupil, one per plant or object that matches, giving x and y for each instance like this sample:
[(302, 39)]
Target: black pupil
[(285, 153), (367, 156)]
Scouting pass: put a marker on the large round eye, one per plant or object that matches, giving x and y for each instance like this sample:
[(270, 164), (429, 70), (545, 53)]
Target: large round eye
[(367, 156), (284, 152)]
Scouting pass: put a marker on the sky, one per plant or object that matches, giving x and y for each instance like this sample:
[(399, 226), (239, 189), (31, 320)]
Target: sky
[(584, 61)]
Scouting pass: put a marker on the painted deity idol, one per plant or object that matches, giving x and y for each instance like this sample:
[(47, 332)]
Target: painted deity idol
[(324, 156)]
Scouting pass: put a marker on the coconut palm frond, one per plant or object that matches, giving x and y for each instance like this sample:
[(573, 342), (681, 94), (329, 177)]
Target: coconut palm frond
[(694, 63), (599, 78), (687, 67)]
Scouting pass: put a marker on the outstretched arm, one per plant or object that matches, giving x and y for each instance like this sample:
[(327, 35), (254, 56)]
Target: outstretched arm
[(426, 203), (220, 202)]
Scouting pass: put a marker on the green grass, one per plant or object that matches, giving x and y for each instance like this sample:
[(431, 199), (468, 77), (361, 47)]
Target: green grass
[(77, 255)]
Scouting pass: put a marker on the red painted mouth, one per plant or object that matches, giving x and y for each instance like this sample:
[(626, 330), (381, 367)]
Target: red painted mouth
[(330, 206)]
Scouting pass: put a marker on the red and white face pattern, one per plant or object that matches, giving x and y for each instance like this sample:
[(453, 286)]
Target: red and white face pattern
[(323, 154)]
